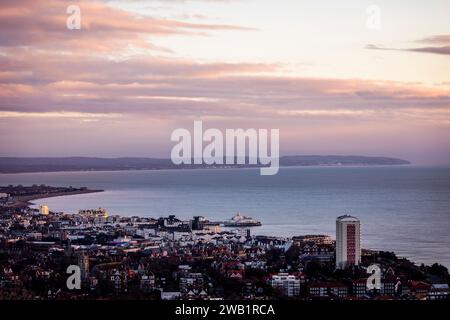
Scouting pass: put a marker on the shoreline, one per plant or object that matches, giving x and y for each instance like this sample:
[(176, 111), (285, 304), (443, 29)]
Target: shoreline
[(25, 201), (219, 168)]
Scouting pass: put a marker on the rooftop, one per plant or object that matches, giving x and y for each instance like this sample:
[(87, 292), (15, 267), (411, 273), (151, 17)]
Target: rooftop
[(347, 217)]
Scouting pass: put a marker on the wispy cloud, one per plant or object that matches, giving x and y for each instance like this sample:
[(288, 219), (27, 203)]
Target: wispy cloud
[(173, 88), (103, 28), (439, 44)]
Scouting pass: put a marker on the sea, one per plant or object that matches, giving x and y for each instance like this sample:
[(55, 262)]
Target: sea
[(404, 209)]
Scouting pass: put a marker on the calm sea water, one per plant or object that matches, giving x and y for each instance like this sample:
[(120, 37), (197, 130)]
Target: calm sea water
[(403, 209)]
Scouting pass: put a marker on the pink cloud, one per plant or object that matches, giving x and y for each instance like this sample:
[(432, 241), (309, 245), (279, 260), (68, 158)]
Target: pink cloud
[(103, 28), (71, 86)]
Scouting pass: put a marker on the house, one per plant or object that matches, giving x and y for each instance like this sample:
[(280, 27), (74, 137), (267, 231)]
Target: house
[(419, 289)]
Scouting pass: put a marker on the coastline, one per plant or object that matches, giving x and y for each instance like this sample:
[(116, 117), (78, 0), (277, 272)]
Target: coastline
[(236, 167), (25, 201), (58, 164)]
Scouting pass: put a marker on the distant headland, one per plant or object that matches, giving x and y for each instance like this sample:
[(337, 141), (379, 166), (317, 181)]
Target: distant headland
[(56, 164), (21, 196)]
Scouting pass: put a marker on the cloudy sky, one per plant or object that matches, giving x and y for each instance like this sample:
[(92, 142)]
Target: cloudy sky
[(330, 75)]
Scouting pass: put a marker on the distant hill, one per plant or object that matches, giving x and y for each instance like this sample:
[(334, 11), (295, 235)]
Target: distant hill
[(332, 160), (18, 164)]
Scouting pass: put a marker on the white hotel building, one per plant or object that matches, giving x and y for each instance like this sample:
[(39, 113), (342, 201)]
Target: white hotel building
[(348, 242)]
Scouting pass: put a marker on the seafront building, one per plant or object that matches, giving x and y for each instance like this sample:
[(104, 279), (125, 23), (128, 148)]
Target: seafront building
[(348, 242), (43, 209)]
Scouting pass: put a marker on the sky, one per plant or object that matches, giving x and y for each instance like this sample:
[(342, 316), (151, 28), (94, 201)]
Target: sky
[(335, 77)]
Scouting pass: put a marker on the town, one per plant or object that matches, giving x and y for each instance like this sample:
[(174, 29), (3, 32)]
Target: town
[(167, 258)]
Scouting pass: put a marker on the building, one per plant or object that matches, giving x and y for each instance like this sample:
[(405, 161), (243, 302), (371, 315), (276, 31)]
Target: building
[(419, 289), (312, 251), (439, 292), (348, 246), (327, 290), (170, 295), (198, 223), (43, 209), (287, 284), (319, 239), (83, 263), (147, 282), (97, 213), (119, 281), (360, 287), (389, 285), (191, 282)]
